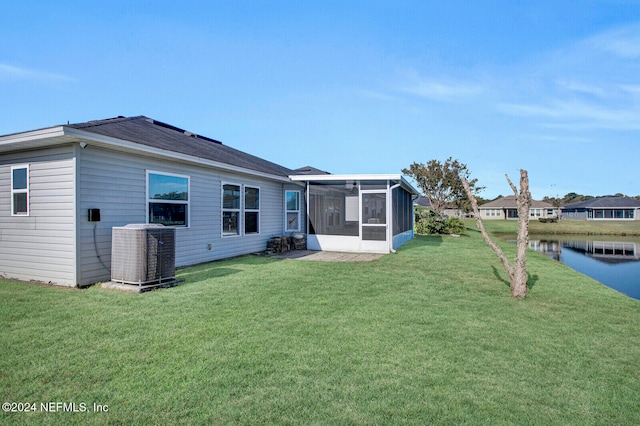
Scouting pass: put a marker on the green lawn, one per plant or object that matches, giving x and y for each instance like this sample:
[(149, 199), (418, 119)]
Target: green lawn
[(429, 335), (581, 227)]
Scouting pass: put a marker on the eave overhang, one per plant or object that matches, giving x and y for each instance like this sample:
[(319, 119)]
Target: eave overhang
[(60, 135)]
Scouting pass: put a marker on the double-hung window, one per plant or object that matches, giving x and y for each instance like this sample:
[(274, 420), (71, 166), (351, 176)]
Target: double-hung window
[(292, 216), (230, 209), (240, 209), (20, 191), (251, 210), (168, 199)]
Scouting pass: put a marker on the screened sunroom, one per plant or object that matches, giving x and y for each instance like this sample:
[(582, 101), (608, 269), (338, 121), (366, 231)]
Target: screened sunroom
[(358, 213)]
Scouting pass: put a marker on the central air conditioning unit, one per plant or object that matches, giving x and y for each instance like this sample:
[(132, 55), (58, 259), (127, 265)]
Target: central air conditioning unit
[(143, 254)]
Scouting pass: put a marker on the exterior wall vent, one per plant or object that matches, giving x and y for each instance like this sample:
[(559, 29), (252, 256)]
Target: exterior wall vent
[(143, 254)]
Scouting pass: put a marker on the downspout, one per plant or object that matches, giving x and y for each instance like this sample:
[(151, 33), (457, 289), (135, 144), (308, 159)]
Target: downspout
[(413, 215), (306, 212), (390, 215)]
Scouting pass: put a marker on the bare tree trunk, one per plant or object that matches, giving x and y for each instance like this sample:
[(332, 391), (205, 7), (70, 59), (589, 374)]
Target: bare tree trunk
[(518, 273), (519, 281)]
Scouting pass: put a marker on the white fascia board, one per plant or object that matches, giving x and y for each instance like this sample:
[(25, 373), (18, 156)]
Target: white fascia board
[(345, 177), (30, 138), (330, 178), (407, 185), (136, 147)]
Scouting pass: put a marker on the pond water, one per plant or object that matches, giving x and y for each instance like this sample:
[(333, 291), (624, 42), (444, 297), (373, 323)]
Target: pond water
[(615, 264)]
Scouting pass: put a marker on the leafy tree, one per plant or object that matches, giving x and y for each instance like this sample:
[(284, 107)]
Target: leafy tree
[(442, 182), (572, 197)]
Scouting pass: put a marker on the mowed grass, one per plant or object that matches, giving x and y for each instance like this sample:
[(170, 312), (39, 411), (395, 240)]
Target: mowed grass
[(429, 335), (567, 227)]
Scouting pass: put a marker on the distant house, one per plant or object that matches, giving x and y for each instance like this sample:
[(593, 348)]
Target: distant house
[(603, 208), (64, 188), (450, 211), (507, 208), (422, 201)]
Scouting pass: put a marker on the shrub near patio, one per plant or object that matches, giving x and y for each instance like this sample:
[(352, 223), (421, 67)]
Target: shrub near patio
[(427, 335)]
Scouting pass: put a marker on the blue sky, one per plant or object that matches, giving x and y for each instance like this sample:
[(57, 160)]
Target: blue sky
[(552, 87)]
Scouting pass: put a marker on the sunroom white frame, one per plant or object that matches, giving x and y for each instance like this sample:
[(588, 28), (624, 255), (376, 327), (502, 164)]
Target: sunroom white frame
[(356, 243)]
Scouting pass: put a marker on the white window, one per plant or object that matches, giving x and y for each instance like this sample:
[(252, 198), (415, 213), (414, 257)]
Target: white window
[(167, 199), (230, 209), (292, 207), (20, 190), (251, 210), (240, 209)]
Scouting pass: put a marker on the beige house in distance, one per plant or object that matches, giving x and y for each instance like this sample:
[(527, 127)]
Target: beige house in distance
[(507, 208)]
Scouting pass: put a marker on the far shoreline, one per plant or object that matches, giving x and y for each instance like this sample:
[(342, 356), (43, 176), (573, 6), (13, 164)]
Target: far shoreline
[(622, 228)]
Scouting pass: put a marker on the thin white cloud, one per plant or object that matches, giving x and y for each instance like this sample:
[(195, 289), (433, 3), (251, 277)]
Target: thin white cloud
[(622, 42), (578, 115), (592, 84), (556, 138), (582, 88), (19, 73), (443, 91), (633, 89), (436, 89), (373, 94)]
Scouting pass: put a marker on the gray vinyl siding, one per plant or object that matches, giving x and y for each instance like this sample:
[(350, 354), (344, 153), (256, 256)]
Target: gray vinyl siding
[(116, 184), (40, 246)]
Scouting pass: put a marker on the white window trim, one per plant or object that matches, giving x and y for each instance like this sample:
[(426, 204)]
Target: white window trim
[(241, 211), (286, 211), (21, 191), (247, 210), (238, 210), (153, 200)]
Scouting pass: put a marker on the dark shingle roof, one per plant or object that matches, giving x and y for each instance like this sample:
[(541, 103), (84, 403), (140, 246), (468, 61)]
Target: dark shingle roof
[(604, 203), (422, 201), (156, 134), (309, 170)]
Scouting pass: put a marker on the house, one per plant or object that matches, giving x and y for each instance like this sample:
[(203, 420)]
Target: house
[(422, 201), (603, 208), (64, 188), (451, 210), (507, 208)]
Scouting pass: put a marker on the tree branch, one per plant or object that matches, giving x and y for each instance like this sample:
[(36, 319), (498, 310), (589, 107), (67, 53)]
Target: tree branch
[(497, 250), (515, 190)]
